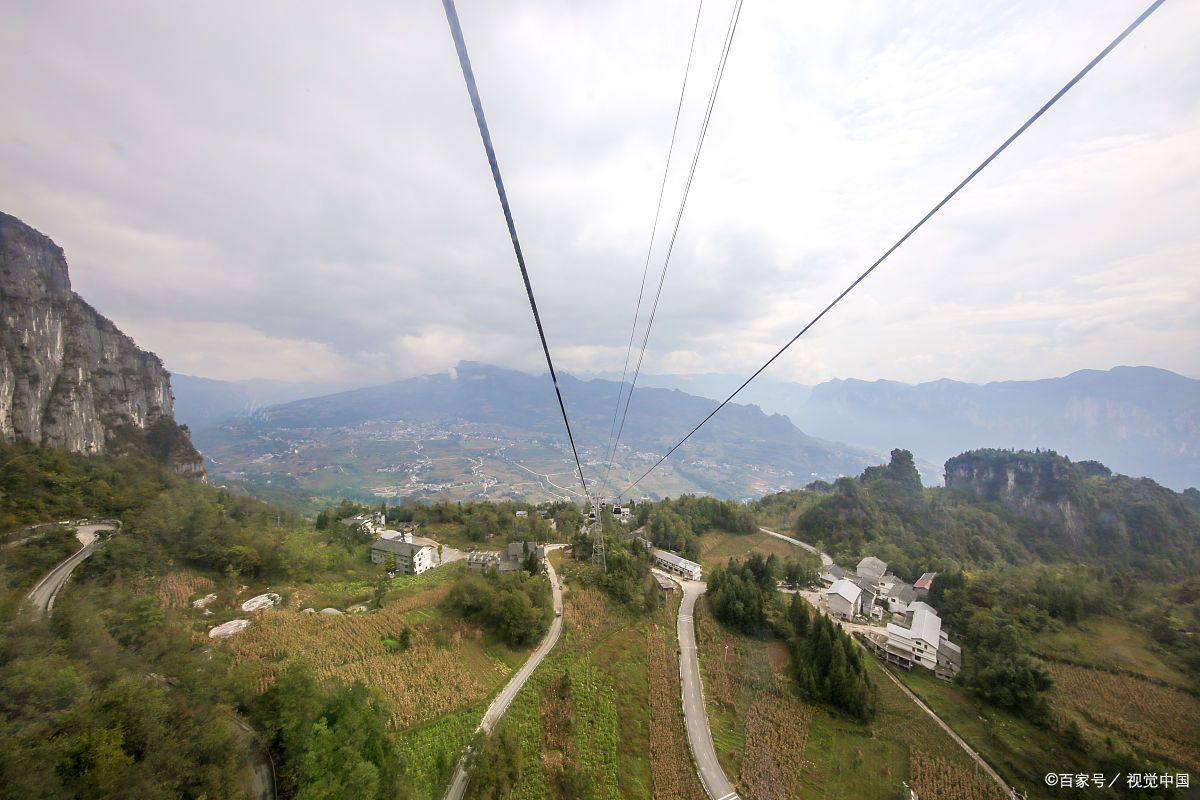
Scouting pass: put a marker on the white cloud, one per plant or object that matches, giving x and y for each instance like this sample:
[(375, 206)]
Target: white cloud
[(307, 185)]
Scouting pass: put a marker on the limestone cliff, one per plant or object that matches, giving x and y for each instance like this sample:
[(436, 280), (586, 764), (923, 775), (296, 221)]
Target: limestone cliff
[(1081, 507), (68, 377)]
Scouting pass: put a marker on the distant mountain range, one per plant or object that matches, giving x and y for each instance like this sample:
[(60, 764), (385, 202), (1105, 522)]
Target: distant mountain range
[(1142, 421), (481, 410)]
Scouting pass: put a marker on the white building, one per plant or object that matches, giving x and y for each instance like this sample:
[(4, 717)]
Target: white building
[(844, 599), (414, 554), (896, 594), (920, 641), (678, 565), (371, 522)]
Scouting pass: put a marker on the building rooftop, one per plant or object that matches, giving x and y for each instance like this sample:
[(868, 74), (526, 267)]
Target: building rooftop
[(925, 582), (678, 561), (664, 583), (845, 589), (872, 566), (921, 622), (400, 548)]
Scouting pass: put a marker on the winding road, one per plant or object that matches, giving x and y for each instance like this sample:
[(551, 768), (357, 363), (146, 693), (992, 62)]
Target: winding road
[(695, 715), (502, 701), (43, 593), (853, 628)]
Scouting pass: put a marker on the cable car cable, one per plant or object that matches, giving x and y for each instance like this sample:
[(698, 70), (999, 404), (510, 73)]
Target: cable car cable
[(712, 100), (1037, 115), (653, 233), (465, 62)]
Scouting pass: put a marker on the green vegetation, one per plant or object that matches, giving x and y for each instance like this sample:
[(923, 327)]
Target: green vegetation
[(516, 605), (39, 485), (110, 699), (334, 740), (828, 666), (677, 524), (580, 726), (742, 593)]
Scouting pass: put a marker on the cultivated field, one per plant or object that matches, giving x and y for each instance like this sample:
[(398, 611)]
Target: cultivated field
[(937, 779), (437, 689), (778, 746), (671, 762), (176, 589), (1158, 721)]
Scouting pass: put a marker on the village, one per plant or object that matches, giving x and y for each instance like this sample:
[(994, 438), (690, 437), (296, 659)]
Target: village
[(888, 614)]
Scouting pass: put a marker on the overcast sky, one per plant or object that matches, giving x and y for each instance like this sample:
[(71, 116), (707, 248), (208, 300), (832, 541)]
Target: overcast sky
[(285, 190)]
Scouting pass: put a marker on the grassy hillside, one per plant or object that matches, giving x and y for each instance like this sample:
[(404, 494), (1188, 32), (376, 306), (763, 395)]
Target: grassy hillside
[(772, 744)]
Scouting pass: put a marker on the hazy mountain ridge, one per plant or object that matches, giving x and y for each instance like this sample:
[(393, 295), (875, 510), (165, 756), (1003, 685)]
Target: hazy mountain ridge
[(740, 449), (1138, 420)]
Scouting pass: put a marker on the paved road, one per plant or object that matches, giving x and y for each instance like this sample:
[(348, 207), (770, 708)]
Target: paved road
[(815, 600), (42, 595), (695, 715), (458, 784), (825, 560), (260, 769)]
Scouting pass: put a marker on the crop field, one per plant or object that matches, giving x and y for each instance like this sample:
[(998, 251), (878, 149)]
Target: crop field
[(449, 664), (739, 672), (779, 746), (566, 718), (1019, 750), (176, 589), (717, 547), (1107, 642), (585, 716), (1156, 720), (776, 736), (937, 779), (674, 776), (431, 750)]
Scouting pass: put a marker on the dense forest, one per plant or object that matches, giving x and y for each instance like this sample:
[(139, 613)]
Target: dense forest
[(111, 697)]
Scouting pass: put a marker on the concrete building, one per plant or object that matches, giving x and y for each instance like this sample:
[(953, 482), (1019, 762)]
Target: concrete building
[(412, 558), (872, 568), (924, 583), (920, 641), (483, 561), (896, 594), (665, 585), (371, 522), (831, 574), (514, 554), (677, 565), (844, 599)]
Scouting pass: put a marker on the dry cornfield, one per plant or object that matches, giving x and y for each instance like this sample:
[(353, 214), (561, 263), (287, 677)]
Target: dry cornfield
[(938, 779), (670, 763), (426, 681), (1160, 721), (776, 735), (585, 611), (176, 589), (717, 683)]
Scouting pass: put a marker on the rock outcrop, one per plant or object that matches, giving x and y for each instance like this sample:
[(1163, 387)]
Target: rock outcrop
[(68, 377)]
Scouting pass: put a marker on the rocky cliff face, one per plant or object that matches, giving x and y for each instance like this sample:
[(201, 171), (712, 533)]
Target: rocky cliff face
[(68, 377)]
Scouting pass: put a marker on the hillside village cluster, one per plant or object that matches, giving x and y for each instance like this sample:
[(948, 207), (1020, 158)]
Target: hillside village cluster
[(914, 637), (406, 553)]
